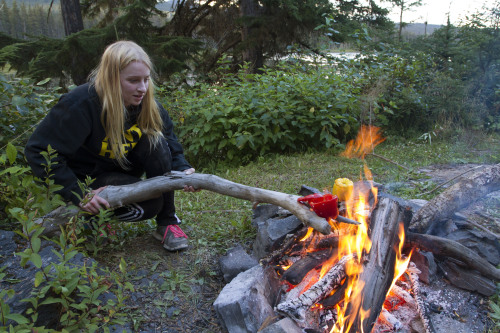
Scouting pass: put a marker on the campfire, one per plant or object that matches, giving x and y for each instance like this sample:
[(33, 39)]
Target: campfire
[(358, 276), (324, 285)]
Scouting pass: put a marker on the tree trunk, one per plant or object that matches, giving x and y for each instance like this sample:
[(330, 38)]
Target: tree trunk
[(72, 16), (252, 52)]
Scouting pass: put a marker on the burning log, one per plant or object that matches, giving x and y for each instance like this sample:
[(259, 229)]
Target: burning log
[(289, 242), (447, 247), (337, 297), (378, 265), (297, 308), (295, 274), (153, 187), (460, 195)]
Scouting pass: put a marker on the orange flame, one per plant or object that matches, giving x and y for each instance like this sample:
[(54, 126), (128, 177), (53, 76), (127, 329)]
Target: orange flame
[(358, 241), (368, 137), (401, 264)]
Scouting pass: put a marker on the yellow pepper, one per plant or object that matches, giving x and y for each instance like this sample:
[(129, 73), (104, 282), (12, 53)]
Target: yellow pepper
[(343, 188)]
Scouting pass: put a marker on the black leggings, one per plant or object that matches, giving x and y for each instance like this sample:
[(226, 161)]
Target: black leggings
[(153, 162)]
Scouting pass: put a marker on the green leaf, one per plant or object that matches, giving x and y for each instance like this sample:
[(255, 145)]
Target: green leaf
[(41, 83), (11, 153), (123, 265), (36, 260), (35, 244), (18, 100), (38, 278), (17, 318)]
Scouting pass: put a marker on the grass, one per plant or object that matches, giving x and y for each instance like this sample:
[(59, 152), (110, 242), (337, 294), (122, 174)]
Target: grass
[(219, 221)]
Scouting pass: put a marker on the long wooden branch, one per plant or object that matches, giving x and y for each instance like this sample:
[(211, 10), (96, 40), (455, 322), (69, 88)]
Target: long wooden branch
[(118, 196)]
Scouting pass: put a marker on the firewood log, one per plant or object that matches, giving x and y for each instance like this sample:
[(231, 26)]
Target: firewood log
[(447, 247), (468, 190), (296, 308), (378, 265)]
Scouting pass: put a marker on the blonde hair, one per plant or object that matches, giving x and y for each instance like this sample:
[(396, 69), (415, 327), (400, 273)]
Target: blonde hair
[(106, 80)]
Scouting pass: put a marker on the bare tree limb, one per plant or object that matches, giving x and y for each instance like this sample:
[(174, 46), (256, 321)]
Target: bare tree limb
[(118, 196)]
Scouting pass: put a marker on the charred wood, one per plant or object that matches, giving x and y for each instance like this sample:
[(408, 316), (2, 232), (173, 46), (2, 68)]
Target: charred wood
[(457, 196), (289, 242), (413, 272), (295, 273), (378, 265), (297, 308), (337, 297), (449, 248), (466, 278)]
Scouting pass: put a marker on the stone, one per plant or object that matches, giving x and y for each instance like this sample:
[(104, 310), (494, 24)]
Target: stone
[(261, 213), (272, 232), (236, 261), (246, 302), (285, 325)]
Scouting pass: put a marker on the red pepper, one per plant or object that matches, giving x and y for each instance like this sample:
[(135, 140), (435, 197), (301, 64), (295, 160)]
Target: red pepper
[(325, 205)]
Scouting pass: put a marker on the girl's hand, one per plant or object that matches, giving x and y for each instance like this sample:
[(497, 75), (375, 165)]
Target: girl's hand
[(190, 188), (95, 202)]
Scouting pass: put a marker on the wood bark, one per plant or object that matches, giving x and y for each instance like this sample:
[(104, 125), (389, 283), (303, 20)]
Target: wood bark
[(457, 196), (378, 264), (153, 187), (72, 16), (450, 248)]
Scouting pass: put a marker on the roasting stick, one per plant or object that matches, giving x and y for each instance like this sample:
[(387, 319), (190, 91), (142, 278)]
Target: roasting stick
[(412, 272)]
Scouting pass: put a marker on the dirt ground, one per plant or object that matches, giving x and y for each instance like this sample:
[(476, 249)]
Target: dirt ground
[(175, 291)]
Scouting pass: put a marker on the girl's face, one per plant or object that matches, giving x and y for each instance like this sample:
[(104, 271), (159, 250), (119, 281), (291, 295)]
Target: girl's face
[(134, 80)]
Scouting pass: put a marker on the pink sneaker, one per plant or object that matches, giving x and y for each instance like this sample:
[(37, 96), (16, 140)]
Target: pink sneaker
[(172, 237)]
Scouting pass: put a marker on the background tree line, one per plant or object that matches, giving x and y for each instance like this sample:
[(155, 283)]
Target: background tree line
[(192, 36), (21, 20)]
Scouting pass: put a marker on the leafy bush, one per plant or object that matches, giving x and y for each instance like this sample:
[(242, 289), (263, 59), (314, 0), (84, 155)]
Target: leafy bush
[(23, 104), (291, 108), (77, 291)]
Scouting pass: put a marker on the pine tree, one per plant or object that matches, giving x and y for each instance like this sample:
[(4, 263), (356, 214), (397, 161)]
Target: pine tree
[(4, 17), (15, 21)]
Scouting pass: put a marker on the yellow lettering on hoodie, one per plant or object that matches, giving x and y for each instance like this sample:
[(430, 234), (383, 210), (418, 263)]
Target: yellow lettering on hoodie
[(132, 136)]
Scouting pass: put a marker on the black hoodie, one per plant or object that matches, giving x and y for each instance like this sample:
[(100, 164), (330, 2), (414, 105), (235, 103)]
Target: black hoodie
[(73, 128)]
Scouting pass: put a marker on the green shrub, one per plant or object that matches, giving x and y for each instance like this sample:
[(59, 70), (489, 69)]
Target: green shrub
[(76, 290), (288, 109), (23, 104)]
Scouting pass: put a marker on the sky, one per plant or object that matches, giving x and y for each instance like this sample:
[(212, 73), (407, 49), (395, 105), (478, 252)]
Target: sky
[(435, 11)]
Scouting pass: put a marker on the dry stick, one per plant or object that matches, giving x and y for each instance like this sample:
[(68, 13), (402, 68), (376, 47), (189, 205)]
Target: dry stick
[(421, 308), (388, 160), (118, 196), (448, 181)]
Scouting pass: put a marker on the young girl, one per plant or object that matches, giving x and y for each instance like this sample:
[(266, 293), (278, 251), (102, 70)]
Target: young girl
[(113, 130)]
